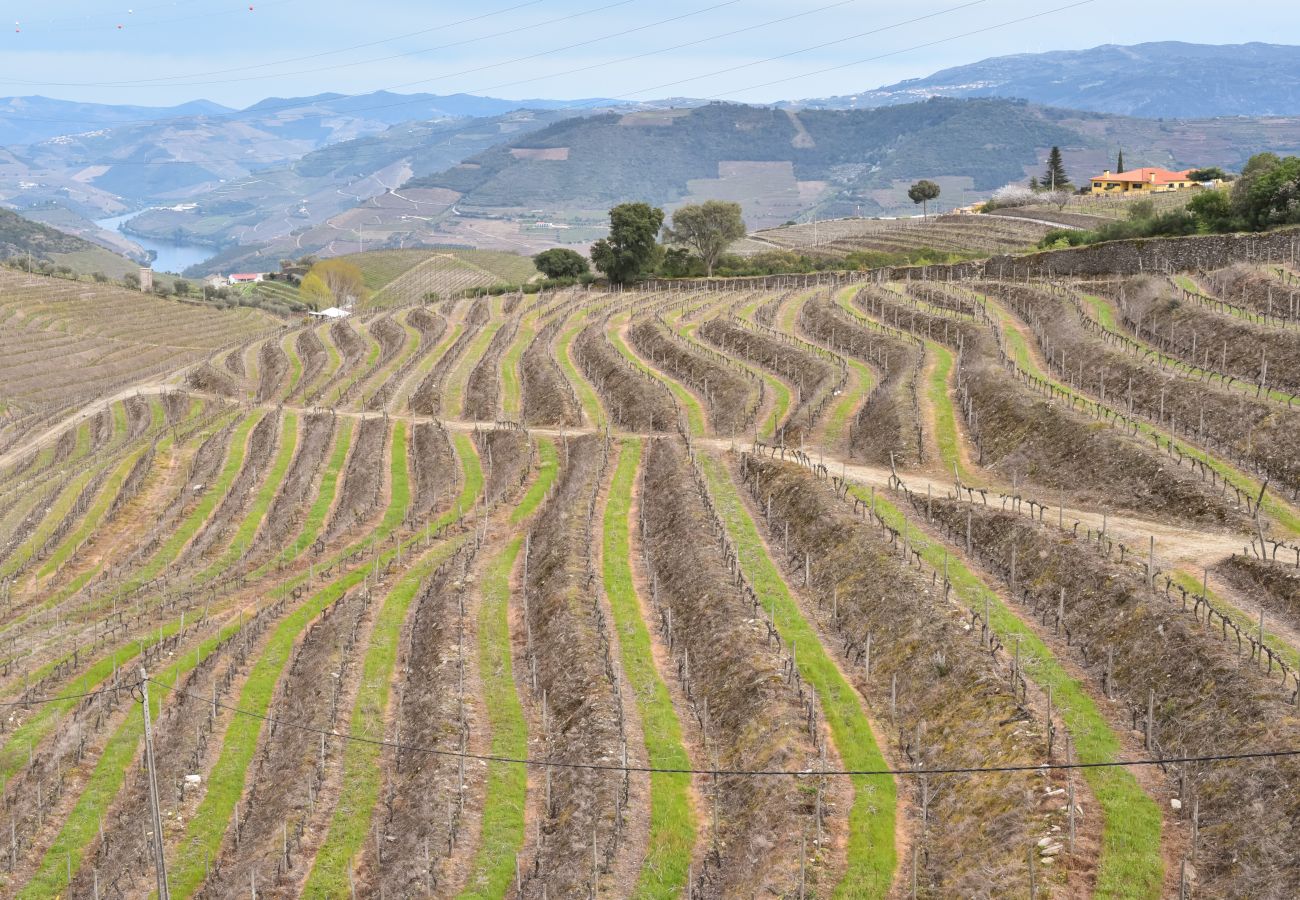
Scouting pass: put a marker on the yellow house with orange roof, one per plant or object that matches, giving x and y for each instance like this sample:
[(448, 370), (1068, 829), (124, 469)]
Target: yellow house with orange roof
[(1147, 180)]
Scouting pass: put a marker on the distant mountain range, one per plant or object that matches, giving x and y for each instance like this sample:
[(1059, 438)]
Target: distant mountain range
[(326, 173), (1167, 79)]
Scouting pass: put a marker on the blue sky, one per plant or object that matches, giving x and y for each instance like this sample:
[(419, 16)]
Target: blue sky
[(169, 52)]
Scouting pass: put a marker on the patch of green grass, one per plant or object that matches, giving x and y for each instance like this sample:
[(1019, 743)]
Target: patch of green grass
[(862, 381), (945, 416), (290, 346), (511, 376), (333, 362), (1279, 645), (672, 819), (314, 522), (502, 836), (409, 348), (1131, 864), (870, 847)]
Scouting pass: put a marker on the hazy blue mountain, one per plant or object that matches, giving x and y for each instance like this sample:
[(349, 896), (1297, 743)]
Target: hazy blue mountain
[(26, 120), (1168, 79)]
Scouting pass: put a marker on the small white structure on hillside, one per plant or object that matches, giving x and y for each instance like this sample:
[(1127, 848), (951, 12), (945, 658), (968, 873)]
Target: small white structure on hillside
[(245, 278), (332, 313)]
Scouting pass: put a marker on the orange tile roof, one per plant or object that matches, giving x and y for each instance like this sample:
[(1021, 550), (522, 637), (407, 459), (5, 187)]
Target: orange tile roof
[(1161, 176)]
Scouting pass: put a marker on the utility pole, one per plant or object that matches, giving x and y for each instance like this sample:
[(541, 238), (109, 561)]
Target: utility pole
[(160, 859)]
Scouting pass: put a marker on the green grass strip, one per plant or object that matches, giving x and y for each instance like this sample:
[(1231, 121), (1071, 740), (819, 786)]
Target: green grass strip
[(106, 780), (685, 399), (946, 436), (779, 391), (120, 424), (410, 347), (511, 375), (502, 837), (587, 396), (247, 530), (362, 762), (1131, 864), (1281, 512), (862, 381), (458, 378), (290, 346), (871, 852), (672, 820)]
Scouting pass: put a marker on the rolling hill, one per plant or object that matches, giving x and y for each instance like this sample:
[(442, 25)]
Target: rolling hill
[(1166, 79), (21, 237)]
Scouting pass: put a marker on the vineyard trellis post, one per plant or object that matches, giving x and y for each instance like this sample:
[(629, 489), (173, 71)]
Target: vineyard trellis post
[(160, 859)]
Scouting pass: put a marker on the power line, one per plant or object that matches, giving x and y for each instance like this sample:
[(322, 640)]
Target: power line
[(743, 773), (308, 56)]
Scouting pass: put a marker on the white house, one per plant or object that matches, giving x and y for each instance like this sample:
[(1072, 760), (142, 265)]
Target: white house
[(245, 278)]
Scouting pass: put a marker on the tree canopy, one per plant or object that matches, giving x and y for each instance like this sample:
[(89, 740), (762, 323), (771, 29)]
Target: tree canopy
[(923, 192), (1054, 176), (708, 228), (335, 281), (631, 248), (561, 263)]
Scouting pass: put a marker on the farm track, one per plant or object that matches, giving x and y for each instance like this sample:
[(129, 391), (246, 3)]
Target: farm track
[(323, 527)]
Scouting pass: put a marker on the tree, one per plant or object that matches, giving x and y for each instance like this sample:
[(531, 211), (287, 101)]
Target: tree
[(182, 287), (342, 279), (709, 229), (1213, 210), (630, 249), (561, 263), (1119, 163), (1054, 177), (1210, 173), (923, 192), (314, 291), (131, 280), (1271, 193)]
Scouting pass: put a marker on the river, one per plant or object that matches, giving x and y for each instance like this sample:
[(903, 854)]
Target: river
[(171, 256)]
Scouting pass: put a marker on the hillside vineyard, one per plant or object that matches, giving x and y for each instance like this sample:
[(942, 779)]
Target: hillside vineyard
[(937, 584)]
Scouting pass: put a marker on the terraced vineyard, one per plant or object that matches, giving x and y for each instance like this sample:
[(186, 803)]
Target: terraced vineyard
[(837, 238), (934, 588)]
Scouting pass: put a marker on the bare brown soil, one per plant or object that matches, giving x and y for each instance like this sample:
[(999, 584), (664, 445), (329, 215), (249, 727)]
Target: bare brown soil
[(257, 459), (1265, 436), (313, 355), (287, 775), (316, 433), (754, 719), (483, 387), (505, 455), (430, 327), (425, 794), (1155, 311), (208, 379), (1273, 586)]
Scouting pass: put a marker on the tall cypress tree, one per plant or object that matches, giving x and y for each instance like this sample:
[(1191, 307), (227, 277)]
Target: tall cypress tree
[(1119, 164), (1054, 178)]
